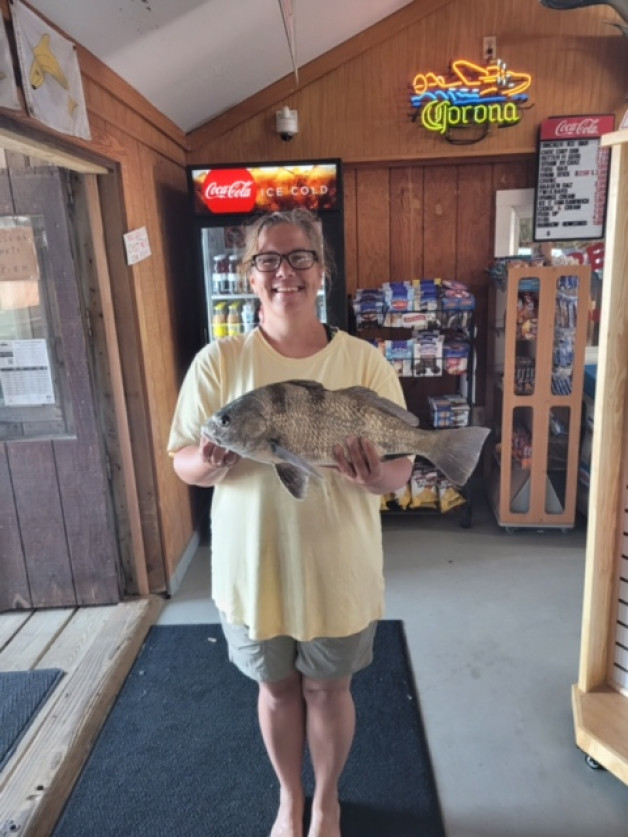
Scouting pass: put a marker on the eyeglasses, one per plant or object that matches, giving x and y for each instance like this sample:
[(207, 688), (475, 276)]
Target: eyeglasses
[(297, 259)]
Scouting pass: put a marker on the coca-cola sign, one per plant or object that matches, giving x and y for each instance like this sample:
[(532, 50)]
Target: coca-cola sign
[(588, 127), (572, 178), (270, 188), (577, 127), (227, 191)]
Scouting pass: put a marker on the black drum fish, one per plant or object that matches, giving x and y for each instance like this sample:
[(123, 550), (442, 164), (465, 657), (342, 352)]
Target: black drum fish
[(294, 426)]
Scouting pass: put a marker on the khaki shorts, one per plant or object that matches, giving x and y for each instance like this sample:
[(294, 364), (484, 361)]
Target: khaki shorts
[(323, 658)]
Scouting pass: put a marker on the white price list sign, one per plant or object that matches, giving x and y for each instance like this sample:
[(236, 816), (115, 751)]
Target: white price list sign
[(572, 178), (25, 377)]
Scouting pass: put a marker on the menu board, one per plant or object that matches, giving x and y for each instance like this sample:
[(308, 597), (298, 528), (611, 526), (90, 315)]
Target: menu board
[(572, 178)]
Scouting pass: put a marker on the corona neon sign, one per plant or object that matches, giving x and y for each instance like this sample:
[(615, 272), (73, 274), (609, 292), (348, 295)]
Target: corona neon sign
[(469, 94)]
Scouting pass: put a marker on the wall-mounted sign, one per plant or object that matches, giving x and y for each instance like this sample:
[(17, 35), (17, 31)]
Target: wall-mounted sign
[(226, 191), (572, 178), (25, 377), (469, 94), (18, 255), (137, 245)]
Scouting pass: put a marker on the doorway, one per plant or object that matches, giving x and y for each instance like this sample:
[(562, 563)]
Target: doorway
[(59, 544)]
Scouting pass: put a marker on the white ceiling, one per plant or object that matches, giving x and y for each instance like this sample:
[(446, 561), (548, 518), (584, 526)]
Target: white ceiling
[(194, 59)]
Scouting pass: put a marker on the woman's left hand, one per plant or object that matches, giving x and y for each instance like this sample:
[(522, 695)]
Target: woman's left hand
[(360, 463)]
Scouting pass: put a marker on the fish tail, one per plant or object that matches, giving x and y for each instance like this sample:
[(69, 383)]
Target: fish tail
[(456, 452)]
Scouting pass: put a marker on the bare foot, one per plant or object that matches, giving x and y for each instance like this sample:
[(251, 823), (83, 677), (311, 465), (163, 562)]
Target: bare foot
[(325, 822), (289, 821)]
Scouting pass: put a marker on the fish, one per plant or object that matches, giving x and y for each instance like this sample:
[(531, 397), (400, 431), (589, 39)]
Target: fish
[(294, 425), (45, 62), (620, 6)]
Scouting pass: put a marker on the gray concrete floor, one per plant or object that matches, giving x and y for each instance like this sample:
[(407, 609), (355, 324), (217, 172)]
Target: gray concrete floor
[(493, 625)]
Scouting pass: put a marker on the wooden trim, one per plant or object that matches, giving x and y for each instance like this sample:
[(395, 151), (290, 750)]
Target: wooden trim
[(95, 648), (117, 207), (601, 728), (139, 580), (608, 435), (615, 137), (31, 147), (314, 70)]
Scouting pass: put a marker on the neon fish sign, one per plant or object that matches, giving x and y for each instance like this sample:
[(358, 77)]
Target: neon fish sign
[(469, 94)]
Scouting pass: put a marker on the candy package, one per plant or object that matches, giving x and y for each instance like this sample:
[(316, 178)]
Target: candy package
[(424, 487)]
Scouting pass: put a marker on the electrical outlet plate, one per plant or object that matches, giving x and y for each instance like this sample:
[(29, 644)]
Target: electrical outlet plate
[(489, 48)]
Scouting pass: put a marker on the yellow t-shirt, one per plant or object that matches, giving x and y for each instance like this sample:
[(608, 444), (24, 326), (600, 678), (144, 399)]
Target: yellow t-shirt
[(282, 566)]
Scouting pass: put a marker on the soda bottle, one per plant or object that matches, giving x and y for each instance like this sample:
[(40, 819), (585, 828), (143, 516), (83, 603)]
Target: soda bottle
[(219, 320), (234, 321)]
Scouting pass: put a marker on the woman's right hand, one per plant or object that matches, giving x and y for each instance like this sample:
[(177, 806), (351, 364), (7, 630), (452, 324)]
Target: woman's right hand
[(204, 464), (216, 456)]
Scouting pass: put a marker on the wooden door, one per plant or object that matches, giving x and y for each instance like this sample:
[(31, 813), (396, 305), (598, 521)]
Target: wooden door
[(58, 544)]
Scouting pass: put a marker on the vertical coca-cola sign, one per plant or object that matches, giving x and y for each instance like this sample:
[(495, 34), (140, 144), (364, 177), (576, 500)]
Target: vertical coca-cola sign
[(229, 191), (572, 178)]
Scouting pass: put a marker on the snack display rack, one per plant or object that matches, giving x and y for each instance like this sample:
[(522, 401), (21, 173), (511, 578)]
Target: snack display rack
[(429, 340), (539, 317)]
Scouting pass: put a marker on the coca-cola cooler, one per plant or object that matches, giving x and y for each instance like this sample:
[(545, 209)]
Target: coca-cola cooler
[(226, 198)]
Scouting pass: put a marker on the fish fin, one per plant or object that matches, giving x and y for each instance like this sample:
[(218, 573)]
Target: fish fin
[(294, 480), (370, 397), (292, 459), (306, 384), (457, 451)]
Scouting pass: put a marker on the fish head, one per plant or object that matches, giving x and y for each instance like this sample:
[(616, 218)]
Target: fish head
[(242, 426)]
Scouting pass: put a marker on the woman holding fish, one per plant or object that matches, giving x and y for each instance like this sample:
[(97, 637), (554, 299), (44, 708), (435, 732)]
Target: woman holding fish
[(297, 573)]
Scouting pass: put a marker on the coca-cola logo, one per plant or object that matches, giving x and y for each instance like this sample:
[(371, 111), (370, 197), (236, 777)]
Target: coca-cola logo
[(229, 190), (588, 127)]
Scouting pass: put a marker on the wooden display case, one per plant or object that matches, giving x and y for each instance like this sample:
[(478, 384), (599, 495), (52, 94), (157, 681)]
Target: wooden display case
[(600, 697), (534, 394)]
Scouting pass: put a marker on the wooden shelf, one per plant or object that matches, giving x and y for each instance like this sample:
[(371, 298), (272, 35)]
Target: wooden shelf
[(531, 497)]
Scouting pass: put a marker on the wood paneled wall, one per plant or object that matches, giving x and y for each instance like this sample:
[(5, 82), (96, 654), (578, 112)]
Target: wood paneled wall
[(414, 221), (353, 102), (145, 154)]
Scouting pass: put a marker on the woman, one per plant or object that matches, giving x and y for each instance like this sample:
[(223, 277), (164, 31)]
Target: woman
[(299, 584)]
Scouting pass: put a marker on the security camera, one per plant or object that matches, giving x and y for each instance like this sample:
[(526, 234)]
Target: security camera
[(287, 123)]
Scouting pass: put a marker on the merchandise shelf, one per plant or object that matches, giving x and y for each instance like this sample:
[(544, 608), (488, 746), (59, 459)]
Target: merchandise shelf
[(534, 394)]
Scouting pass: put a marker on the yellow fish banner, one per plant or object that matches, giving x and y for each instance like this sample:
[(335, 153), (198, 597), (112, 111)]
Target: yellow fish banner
[(51, 76), (9, 97)]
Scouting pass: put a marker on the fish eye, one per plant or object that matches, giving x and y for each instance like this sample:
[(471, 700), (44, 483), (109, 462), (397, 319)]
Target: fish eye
[(225, 421)]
